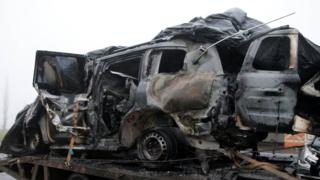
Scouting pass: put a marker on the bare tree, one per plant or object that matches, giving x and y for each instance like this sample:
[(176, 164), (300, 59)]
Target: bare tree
[(5, 104)]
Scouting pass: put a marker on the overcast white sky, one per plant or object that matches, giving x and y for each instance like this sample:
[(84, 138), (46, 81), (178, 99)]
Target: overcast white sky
[(80, 26)]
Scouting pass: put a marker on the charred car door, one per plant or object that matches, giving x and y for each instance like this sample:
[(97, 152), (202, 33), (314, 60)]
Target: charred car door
[(176, 84), (58, 72), (60, 81), (268, 83)]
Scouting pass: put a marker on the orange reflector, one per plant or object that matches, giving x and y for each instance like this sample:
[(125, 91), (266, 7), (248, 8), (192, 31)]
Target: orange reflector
[(294, 140)]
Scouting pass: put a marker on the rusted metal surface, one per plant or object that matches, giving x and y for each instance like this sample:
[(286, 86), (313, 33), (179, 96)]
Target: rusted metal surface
[(105, 169), (112, 171), (35, 172), (266, 166), (20, 169), (46, 173), (73, 138)]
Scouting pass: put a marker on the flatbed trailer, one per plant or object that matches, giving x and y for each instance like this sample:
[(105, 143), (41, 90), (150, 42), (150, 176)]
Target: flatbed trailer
[(50, 168)]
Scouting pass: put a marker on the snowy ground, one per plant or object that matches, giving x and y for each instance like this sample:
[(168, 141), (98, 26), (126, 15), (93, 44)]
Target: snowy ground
[(4, 176)]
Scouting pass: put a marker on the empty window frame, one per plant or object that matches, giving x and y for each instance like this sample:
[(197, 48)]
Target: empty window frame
[(129, 68), (273, 54), (171, 61)]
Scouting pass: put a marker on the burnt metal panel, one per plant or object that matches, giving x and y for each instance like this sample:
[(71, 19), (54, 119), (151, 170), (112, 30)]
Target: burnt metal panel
[(181, 92), (266, 99)]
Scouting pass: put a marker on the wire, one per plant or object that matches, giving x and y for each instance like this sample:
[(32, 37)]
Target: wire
[(239, 32)]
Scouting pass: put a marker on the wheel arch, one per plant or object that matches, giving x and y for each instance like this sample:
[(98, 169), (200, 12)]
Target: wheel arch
[(137, 122)]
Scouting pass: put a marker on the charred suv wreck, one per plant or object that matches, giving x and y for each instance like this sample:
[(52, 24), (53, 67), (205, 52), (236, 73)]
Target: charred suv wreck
[(174, 92)]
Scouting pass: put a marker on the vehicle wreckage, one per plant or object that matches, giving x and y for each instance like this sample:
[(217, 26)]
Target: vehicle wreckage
[(152, 100)]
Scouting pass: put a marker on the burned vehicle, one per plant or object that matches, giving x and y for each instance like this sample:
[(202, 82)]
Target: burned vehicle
[(173, 92)]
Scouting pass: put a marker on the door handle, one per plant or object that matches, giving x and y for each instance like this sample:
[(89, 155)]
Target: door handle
[(273, 91)]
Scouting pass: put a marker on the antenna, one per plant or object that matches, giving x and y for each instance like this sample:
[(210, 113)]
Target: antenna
[(237, 33)]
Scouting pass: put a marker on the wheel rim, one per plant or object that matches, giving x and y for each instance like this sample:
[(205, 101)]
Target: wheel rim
[(34, 142), (154, 147)]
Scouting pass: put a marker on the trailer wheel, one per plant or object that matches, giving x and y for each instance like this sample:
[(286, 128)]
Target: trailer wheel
[(35, 144), (76, 176), (157, 145)]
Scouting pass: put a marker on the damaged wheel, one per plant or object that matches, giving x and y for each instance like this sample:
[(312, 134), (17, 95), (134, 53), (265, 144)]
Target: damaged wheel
[(36, 144), (157, 145)]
